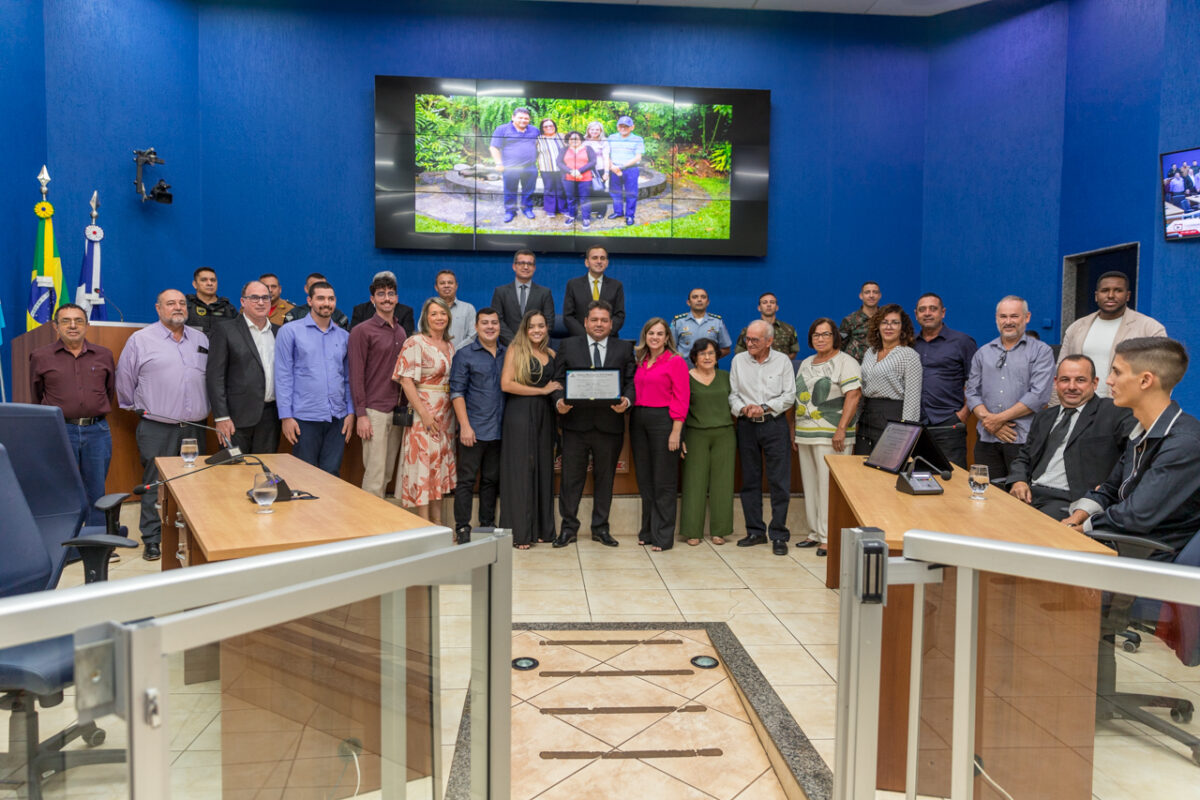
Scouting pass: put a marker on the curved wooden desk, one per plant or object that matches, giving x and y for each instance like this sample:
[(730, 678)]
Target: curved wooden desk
[(1035, 716)]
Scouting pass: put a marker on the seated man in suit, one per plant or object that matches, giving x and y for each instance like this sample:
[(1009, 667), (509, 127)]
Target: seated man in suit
[(512, 300), (241, 375), (1154, 490), (597, 430), (581, 291), (1071, 448), (364, 311)]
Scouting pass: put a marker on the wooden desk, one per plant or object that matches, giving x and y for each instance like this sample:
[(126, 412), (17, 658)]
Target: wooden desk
[(291, 693), (1037, 642)]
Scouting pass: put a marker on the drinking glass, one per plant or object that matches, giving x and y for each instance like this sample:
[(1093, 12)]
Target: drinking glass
[(265, 492), (978, 479), (188, 450)]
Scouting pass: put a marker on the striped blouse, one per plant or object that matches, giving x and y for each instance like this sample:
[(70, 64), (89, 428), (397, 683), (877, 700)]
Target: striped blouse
[(897, 377)]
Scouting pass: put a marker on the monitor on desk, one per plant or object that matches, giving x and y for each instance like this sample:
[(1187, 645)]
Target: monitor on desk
[(903, 440)]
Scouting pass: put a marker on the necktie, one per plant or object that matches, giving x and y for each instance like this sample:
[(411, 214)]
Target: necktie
[(524, 291), (597, 361), (1057, 436), (595, 289)]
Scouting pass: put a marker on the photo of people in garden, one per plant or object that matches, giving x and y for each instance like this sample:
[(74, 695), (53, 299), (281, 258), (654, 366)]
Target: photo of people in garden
[(554, 166)]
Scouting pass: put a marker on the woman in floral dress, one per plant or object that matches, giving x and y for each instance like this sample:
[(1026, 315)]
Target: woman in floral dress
[(423, 371)]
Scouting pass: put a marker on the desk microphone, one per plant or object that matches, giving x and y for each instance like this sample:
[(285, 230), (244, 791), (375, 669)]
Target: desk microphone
[(145, 487), (228, 455), (944, 474)]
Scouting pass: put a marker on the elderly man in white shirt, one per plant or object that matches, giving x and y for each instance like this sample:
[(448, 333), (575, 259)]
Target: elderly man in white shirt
[(762, 389)]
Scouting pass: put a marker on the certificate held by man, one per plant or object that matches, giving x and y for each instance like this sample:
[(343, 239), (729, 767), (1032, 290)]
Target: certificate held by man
[(601, 386)]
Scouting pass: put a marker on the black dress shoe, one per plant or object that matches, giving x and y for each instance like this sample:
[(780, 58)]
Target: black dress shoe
[(751, 540), (822, 552), (564, 539), (615, 216), (152, 552), (462, 534), (807, 543), (779, 548), (604, 539)]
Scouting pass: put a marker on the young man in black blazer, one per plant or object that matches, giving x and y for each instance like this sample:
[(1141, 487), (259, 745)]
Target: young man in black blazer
[(597, 429), (595, 285), (513, 299), (1070, 448), (240, 377)]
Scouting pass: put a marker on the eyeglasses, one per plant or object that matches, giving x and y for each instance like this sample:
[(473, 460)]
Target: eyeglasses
[(257, 298), (822, 335), (525, 263), (385, 293), (887, 323), (753, 340)]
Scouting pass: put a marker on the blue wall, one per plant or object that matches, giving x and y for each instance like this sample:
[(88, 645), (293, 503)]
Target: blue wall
[(965, 153), (22, 153), (993, 160), (286, 103)]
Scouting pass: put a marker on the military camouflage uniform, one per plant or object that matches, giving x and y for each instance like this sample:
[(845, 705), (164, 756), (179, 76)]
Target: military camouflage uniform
[(854, 334), (786, 340)]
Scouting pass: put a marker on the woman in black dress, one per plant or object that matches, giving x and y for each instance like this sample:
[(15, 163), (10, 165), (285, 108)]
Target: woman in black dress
[(527, 441)]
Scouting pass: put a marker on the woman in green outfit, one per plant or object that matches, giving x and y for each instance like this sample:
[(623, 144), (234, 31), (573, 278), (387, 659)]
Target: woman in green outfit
[(710, 447)]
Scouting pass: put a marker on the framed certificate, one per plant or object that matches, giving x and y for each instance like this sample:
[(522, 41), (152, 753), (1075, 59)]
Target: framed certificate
[(593, 386)]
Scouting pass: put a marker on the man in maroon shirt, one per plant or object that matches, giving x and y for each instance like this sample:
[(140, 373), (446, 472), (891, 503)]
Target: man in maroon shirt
[(374, 347), (78, 377)]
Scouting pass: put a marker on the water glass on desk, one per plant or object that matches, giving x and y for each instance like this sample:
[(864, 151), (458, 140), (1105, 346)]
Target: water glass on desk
[(265, 491), (188, 450), (978, 480)]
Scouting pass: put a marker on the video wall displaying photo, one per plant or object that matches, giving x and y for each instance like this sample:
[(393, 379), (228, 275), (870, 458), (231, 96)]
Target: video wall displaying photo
[(1180, 174), (500, 165)]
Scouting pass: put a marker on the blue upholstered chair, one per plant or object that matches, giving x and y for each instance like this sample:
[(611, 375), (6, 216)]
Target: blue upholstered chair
[(35, 674)]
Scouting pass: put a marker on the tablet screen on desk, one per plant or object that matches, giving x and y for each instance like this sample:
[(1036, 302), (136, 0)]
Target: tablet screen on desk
[(894, 446)]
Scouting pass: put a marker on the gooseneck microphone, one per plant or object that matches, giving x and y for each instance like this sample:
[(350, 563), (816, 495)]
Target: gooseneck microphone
[(145, 487), (227, 455), (944, 474)]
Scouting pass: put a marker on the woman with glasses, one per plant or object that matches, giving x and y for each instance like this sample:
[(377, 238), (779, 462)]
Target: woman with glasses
[(710, 449), (550, 145), (891, 376), (828, 389)]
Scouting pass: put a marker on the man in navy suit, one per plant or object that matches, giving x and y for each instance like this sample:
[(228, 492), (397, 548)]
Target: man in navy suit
[(513, 299), (592, 429), (1070, 448), (240, 378), (595, 285)]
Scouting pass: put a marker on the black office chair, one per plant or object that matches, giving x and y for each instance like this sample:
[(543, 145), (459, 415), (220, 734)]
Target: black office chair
[(1123, 612), (36, 673)]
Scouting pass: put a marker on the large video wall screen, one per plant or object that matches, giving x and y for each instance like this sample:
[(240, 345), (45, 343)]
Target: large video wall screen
[(500, 165)]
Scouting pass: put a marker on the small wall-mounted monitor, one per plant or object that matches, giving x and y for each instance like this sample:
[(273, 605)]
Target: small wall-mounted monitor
[(463, 164), (1180, 175)]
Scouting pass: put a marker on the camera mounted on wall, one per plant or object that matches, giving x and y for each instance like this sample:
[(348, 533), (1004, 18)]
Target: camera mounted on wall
[(161, 192)]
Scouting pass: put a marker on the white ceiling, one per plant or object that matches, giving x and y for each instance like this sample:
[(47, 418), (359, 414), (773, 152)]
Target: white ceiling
[(895, 8)]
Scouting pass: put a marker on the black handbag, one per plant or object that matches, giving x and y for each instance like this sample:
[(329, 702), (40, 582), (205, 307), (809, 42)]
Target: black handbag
[(402, 416)]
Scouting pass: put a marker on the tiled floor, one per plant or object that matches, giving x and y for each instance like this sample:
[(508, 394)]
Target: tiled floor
[(779, 609)]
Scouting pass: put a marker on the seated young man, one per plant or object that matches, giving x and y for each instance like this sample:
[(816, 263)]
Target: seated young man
[(1154, 490)]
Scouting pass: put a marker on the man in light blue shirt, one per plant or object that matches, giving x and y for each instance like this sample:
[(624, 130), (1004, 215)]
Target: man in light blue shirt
[(626, 149), (312, 383), (696, 324), (1009, 381)]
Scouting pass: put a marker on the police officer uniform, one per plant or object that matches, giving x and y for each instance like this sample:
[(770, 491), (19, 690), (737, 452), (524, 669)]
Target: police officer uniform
[(687, 330)]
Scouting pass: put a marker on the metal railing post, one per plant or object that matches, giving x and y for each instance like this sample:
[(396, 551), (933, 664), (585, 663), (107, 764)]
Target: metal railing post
[(147, 691), (966, 635), (491, 680)]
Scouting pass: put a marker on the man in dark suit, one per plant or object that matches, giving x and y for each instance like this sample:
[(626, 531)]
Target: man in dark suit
[(512, 300), (403, 314), (1070, 448), (241, 375), (594, 286), (596, 429)]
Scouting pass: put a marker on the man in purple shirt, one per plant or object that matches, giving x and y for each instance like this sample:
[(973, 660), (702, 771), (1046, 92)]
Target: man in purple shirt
[(1009, 381), (514, 149), (312, 383), (374, 347), (161, 372)]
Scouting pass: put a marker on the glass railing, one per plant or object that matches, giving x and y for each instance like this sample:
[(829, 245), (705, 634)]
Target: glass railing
[(1034, 673), (345, 670)]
